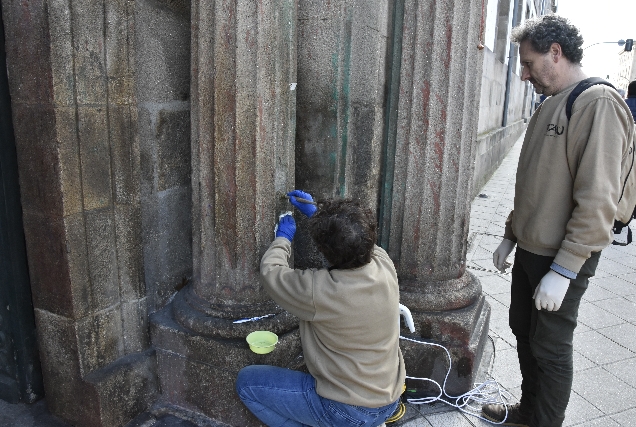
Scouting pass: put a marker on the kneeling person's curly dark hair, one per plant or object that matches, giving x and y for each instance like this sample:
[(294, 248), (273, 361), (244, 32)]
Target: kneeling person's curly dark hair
[(345, 232)]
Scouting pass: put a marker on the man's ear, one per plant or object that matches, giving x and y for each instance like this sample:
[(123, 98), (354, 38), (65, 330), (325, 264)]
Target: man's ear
[(555, 52)]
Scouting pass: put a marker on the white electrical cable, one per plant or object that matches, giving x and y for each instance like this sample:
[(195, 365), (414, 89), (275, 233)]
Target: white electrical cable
[(484, 393)]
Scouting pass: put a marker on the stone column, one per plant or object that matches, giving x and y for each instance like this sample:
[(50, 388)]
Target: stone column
[(71, 74), (243, 124), (429, 203)]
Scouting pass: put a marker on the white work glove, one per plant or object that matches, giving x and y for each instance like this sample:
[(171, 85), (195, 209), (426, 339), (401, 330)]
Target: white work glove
[(551, 291), (501, 253)]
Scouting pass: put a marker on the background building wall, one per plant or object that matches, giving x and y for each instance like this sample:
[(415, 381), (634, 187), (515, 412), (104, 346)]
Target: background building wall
[(626, 71), (506, 101)]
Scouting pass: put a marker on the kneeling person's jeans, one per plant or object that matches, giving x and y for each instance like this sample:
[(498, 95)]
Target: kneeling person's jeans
[(283, 397)]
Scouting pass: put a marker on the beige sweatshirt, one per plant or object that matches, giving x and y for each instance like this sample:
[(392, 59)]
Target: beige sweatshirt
[(568, 178), (348, 324)]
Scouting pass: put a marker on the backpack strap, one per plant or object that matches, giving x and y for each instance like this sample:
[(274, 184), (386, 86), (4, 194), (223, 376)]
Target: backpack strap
[(582, 87)]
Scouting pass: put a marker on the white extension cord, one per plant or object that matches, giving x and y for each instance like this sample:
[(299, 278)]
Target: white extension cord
[(484, 393)]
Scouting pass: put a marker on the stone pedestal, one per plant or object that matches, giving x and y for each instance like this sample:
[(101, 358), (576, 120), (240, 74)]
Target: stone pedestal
[(197, 372), (463, 331), (243, 124)]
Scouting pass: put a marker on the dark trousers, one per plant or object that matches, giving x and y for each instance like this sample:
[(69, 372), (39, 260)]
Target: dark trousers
[(544, 338)]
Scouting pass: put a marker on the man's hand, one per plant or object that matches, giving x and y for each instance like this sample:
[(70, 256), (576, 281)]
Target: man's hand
[(306, 208), (286, 227), (551, 291), (501, 253)]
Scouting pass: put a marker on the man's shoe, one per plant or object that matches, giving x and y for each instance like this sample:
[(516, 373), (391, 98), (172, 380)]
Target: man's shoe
[(517, 416)]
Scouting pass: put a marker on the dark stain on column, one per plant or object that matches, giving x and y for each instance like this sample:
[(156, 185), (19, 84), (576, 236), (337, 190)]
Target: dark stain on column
[(393, 69)]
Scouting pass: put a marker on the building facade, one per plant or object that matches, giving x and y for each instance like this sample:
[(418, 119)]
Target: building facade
[(626, 72), (147, 145)]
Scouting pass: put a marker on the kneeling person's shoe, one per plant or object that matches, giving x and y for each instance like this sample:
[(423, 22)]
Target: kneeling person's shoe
[(517, 416)]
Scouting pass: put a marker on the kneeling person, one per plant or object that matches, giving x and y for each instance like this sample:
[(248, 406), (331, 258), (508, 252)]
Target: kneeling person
[(348, 325)]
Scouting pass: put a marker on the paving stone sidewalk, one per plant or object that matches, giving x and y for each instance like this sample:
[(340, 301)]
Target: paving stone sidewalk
[(604, 389)]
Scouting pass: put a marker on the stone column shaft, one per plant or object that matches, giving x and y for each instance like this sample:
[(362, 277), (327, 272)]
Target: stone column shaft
[(243, 134), (440, 73)]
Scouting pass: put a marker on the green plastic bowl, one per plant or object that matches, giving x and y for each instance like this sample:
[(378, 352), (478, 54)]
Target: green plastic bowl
[(262, 342)]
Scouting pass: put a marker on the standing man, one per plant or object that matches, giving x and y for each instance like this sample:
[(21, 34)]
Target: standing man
[(566, 196)]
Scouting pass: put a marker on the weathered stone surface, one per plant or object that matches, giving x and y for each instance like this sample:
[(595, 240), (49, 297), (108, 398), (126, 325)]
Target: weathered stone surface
[(198, 373), (201, 317), (129, 247), (173, 149), (162, 82), (102, 259), (167, 237), (440, 295), (89, 56), (432, 170), (78, 265), (72, 71), (342, 49), (27, 50), (124, 146), (68, 397), (120, 52), (243, 112), (45, 240), (162, 47), (94, 151), (70, 175), (135, 324), (341, 62), (125, 388), (463, 332), (35, 133), (243, 117), (61, 52), (99, 340)]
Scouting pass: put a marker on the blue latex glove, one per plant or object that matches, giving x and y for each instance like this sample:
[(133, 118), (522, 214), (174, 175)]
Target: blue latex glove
[(286, 227), (306, 208)]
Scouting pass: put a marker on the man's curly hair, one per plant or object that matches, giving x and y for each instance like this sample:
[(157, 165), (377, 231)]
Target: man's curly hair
[(548, 29), (345, 232)]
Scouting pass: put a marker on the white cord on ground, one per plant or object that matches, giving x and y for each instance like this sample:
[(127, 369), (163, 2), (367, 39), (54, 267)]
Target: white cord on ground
[(484, 393)]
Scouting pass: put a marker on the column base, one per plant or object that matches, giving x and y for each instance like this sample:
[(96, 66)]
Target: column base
[(464, 332), (198, 373)]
